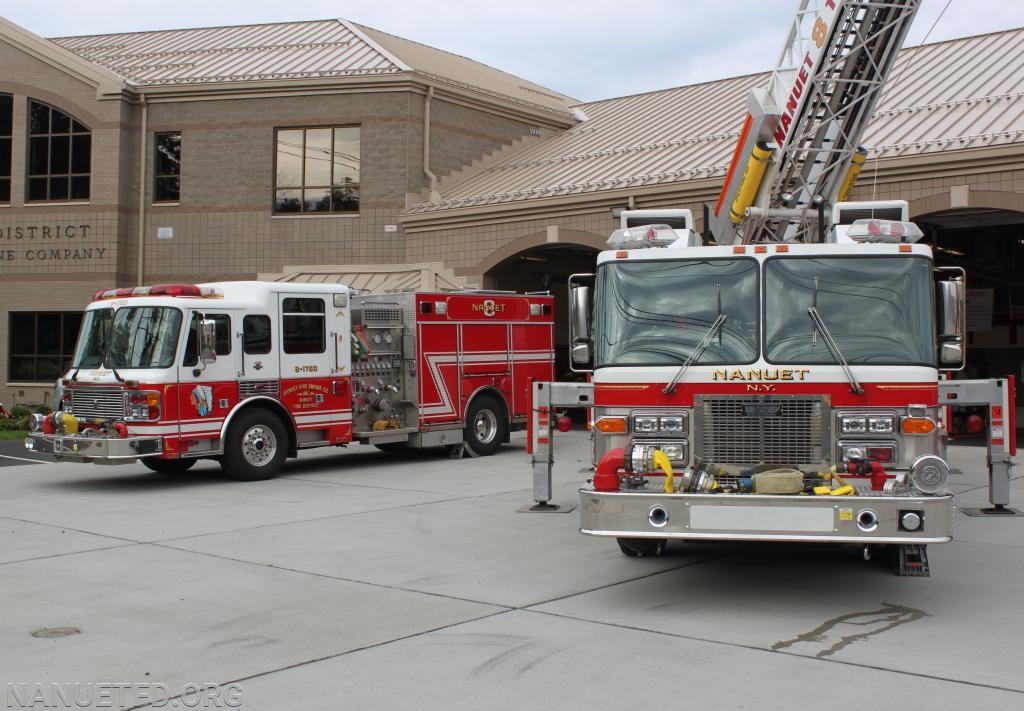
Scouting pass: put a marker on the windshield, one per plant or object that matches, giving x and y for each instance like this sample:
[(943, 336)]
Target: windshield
[(141, 337), (655, 313), (878, 309), (93, 338)]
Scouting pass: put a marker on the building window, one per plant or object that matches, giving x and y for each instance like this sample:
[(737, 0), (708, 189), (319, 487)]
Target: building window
[(40, 345), (6, 124), (59, 155), (167, 168), (317, 170)]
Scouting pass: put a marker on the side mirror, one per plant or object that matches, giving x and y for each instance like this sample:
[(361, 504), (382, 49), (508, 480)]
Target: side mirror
[(951, 354), (207, 341), (579, 353), (952, 302), (580, 305)]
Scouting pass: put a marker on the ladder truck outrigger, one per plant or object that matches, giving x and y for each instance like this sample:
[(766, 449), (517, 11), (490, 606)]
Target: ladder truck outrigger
[(775, 379)]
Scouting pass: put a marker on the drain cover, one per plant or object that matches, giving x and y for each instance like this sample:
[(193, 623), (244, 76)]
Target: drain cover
[(54, 632)]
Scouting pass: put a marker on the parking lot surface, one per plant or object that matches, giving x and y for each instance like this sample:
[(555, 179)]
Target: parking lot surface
[(365, 580)]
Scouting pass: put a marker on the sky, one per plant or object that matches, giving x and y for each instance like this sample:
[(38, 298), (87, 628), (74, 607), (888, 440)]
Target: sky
[(585, 49)]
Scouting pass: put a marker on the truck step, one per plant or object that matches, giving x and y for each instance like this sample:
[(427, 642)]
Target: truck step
[(912, 560)]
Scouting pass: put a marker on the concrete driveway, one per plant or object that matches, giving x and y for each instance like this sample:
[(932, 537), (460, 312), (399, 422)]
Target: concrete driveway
[(364, 580)]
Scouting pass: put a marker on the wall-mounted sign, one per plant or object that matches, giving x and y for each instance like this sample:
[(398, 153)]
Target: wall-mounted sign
[(164, 232), (46, 243), (391, 228)]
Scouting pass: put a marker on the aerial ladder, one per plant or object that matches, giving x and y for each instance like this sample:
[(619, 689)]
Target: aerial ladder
[(799, 149)]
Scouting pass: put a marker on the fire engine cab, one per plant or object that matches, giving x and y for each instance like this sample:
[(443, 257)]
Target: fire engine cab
[(249, 373)]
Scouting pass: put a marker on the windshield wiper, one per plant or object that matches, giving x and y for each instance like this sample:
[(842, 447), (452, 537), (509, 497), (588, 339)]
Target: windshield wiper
[(819, 325), (106, 355), (700, 347)]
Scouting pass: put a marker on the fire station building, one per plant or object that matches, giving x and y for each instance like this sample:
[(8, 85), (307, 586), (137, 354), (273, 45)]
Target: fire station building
[(329, 151)]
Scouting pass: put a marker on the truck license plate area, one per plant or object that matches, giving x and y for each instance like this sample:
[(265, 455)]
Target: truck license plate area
[(761, 518)]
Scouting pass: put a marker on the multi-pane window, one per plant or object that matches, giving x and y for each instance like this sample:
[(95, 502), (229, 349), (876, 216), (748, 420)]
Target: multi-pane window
[(6, 127), (59, 155), (317, 170), (40, 344), (167, 167)]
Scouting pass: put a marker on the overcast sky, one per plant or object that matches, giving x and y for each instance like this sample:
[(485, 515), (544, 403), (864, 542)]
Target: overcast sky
[(587, 49)]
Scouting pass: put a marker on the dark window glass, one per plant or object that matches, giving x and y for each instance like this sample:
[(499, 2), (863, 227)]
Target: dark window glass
[(6, 114), (256, 335), (317, 170), (40, 345), (167, 168), (59, 155), (6, 122), (304, 325), (39, 118)]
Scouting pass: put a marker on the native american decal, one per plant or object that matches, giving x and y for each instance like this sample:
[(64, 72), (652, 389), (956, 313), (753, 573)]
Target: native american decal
[(201, 399)]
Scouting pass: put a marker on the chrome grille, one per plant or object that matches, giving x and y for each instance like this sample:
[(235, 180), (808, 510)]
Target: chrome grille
[(749, 430), (270, 388), (97, 403)]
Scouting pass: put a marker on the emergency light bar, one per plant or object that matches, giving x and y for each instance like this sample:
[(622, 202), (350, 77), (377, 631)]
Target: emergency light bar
[(884, 231), (207, 292), (643, 236)]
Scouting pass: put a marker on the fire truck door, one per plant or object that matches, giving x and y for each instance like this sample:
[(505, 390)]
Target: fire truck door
[(207, 390), (315, 358)]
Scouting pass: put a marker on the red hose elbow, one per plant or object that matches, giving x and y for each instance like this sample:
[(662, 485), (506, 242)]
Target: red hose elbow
[(606, 477)]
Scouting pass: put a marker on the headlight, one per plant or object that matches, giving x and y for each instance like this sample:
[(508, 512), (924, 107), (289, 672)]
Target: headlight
[(881, 452), (650, 423), (142, 405), (867, 424)]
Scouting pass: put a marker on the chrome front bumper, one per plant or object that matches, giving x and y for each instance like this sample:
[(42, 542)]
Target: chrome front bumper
[(761, 517), (99, 450)]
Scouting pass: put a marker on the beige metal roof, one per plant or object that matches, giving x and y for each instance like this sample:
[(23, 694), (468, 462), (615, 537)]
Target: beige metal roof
[(963, 93), (429, 276), (288, 50), (320, 49)]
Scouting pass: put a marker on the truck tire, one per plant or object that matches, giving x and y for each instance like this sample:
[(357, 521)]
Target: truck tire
[(486, 427), (256, 446), (642, 547), (168, 466)]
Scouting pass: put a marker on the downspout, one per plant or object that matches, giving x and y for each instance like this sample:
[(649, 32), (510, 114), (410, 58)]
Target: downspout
[(434, 195), (142, 191)]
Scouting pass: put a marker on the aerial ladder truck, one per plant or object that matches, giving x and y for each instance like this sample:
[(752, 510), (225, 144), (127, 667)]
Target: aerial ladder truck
[(775, 378)]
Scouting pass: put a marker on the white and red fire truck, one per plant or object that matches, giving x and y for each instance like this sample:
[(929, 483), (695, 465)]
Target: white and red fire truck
[(775, 379), (249, 373)]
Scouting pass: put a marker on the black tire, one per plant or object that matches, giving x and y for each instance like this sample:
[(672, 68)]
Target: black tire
[(486, 427), (256, 446), (642, 547), (168, 466)]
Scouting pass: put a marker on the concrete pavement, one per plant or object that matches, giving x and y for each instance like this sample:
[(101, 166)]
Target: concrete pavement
[(361, 580)]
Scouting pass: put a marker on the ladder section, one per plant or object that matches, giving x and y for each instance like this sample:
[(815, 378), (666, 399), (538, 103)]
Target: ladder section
[(811, 118)]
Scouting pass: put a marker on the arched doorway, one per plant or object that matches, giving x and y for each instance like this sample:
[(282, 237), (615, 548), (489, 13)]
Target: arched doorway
[(546, 267)]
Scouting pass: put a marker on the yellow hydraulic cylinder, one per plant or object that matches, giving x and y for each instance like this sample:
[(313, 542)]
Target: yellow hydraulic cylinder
[(753, 174), (856, 163)]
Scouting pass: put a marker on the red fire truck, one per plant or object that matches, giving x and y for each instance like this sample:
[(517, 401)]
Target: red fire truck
[(249, 373), (775, 378)]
